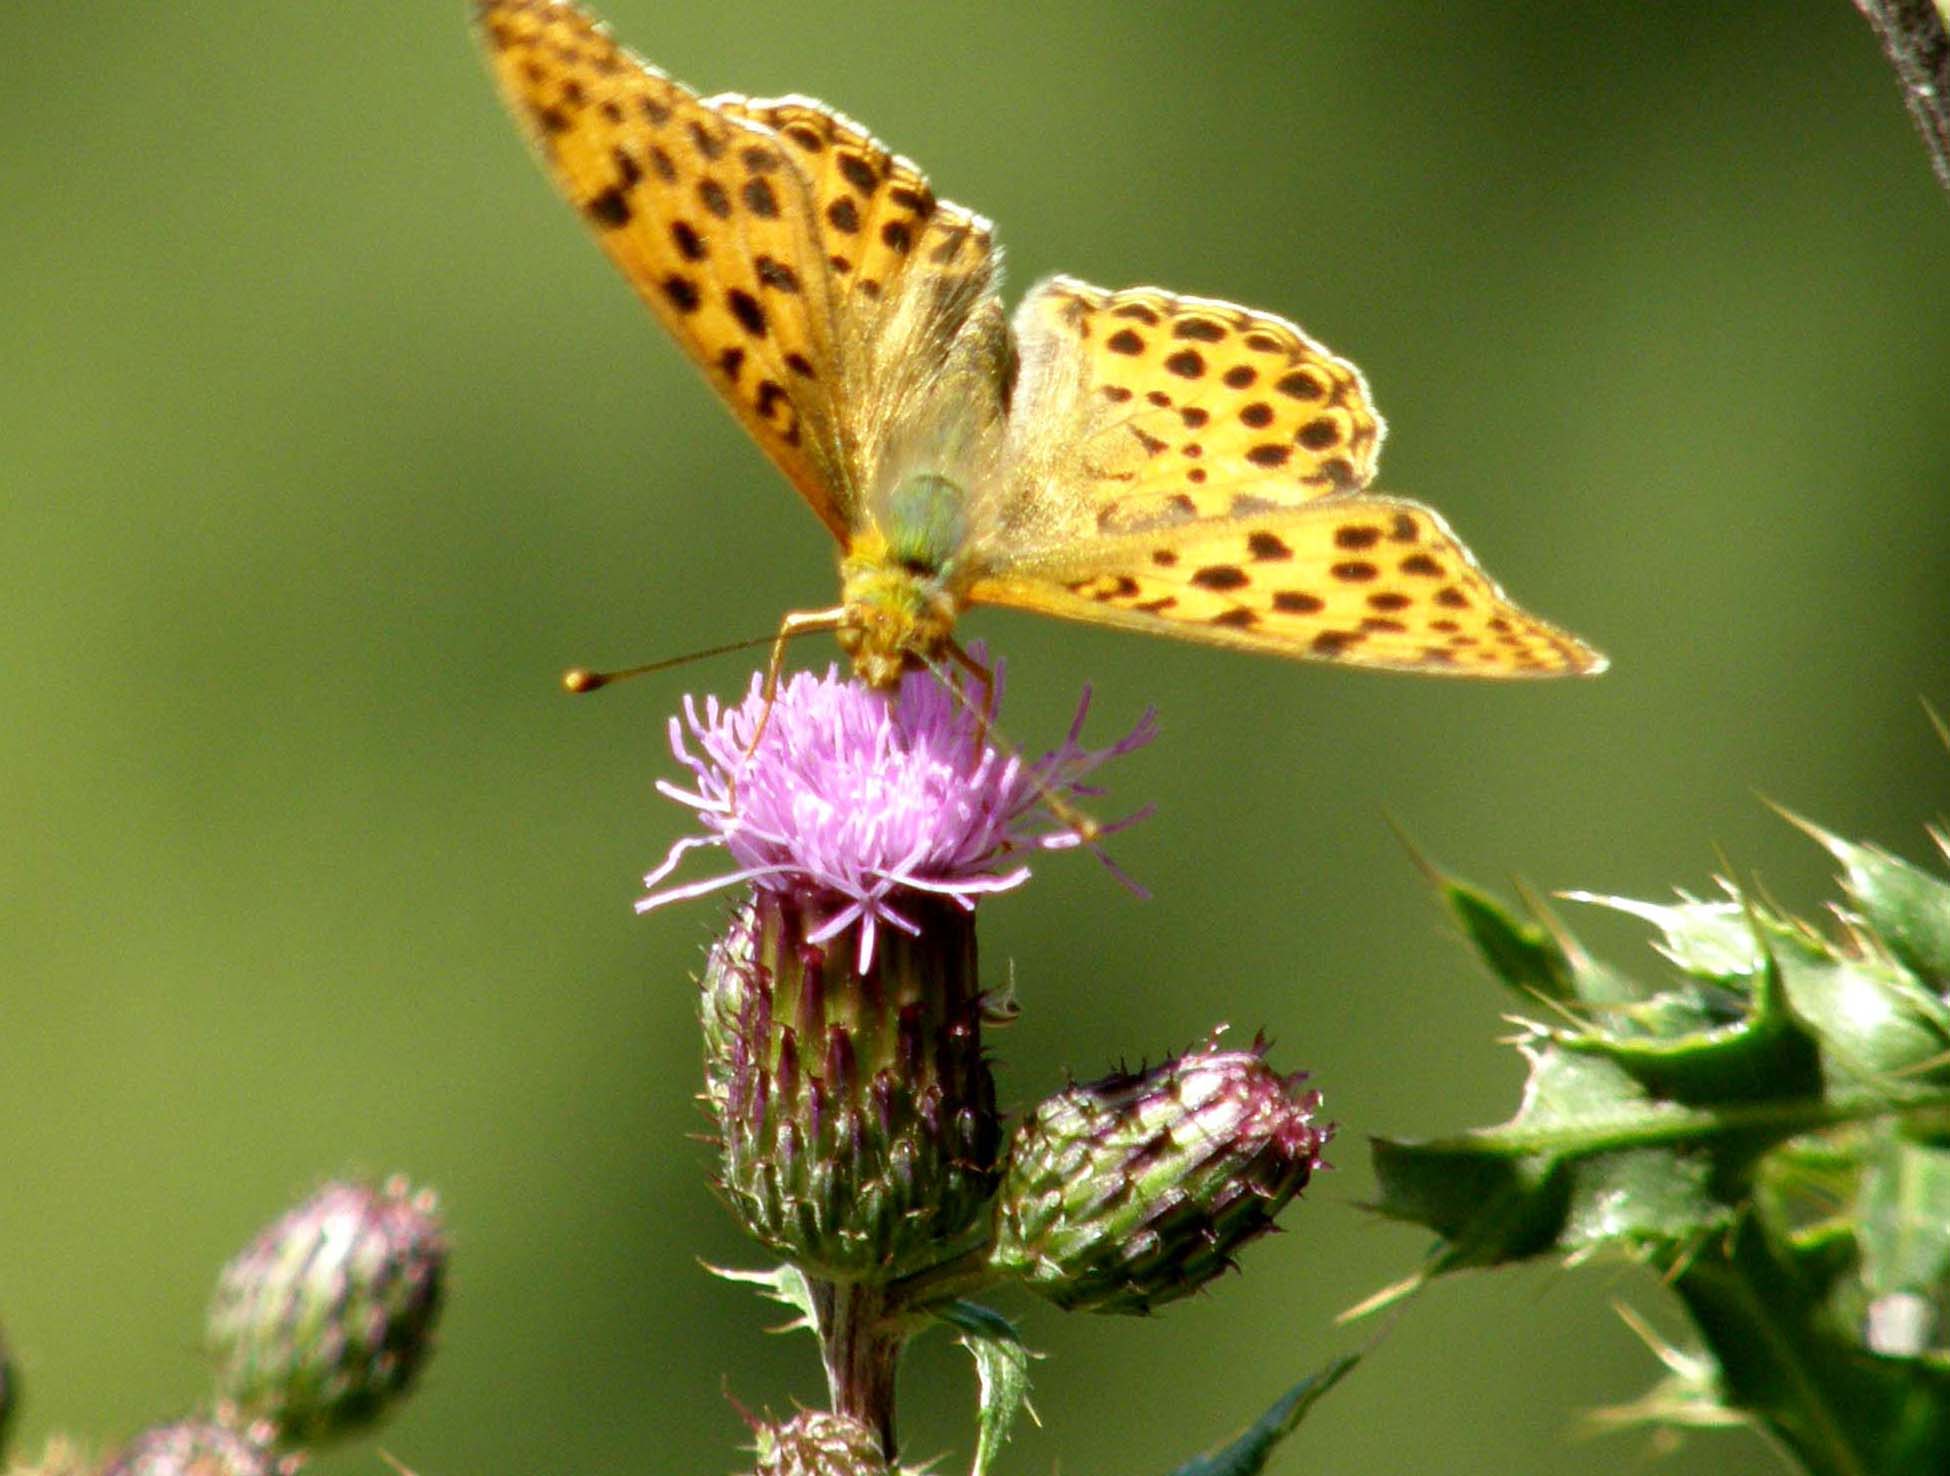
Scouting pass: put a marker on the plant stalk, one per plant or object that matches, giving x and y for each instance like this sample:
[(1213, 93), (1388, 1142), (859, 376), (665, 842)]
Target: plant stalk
[(860, 1343)]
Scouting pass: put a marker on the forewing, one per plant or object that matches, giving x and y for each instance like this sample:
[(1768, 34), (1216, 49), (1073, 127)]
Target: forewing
[(1134, 403), (707, 216), (1357, 579), (792, 256), (913, 278)]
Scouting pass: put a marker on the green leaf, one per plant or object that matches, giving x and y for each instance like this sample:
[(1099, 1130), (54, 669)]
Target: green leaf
[(1908, 908), (1764, 1309), (1532, 955), (1710, 940), (1247, 1455), (1904, 1211), (786, 1284), (1001, 1365), (1767, 1128)]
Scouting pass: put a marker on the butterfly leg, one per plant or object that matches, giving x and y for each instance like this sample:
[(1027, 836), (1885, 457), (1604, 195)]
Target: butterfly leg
[(984, 678), (800, 622), (1083, 826)]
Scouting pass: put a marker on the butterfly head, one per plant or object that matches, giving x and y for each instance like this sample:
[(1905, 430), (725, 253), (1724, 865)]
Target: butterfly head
[(899, 613)]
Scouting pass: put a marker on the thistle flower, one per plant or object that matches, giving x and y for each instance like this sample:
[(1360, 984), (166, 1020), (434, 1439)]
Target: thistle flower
[(325, 1319), (856, 804), (842, 1008), (1137, 1190)]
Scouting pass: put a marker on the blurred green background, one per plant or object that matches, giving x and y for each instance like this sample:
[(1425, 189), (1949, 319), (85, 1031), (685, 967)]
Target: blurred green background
[(330, 438)]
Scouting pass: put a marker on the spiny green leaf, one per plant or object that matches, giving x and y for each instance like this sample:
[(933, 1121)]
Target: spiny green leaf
[(1523, 954), (1908, 908), (786, 1284), (1710, 940), (1530, 954), (1001, 1365), (1247, 1455), (1769, 1130), (1764, 1308)]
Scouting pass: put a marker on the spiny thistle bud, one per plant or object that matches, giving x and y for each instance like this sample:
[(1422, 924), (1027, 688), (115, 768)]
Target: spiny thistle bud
[(857, 1112), (325, 1319), (1136, 1190), (842, 1011), (815, 1443), (195, 1448)]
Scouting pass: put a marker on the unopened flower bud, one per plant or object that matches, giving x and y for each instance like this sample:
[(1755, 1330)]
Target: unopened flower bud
[(1136, 1190), (194, 1448), (815, 1443), (327, 1317), (856, 1109)]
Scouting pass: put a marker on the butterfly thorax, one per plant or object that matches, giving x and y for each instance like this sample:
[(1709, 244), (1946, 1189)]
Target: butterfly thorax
[(900, 578)]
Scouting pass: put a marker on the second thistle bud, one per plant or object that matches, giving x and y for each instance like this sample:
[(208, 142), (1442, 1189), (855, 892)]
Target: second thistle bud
[(815, 1443), (325, 1319), (856, 1107), (195, 1448), (1136, 1190)]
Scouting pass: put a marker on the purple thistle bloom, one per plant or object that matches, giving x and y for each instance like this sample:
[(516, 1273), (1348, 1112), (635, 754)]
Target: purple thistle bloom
[(854, 797)]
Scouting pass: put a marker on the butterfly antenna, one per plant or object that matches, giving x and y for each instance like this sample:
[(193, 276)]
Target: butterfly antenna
[(1085, 827), (582, 679)]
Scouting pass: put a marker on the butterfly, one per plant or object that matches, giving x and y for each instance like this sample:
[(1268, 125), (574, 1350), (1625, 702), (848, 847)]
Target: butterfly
[(1177, 465)]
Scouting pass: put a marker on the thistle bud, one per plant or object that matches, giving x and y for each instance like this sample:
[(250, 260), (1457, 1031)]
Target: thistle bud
[(815, 1443), (856, 1109), (325, 1319), (1136, 1190), (194, 1448)]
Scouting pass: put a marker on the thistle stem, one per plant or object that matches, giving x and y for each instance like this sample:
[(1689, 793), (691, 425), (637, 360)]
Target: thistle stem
[(1915, 36), (945, 1281), (861, 1345)]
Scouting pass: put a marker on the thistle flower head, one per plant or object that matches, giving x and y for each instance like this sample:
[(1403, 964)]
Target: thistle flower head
[(853, 799)]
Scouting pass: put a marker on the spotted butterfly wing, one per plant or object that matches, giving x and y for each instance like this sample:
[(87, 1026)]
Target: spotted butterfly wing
[(1150, 395), (812, 275), (1194, 468), (1364, 580)]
